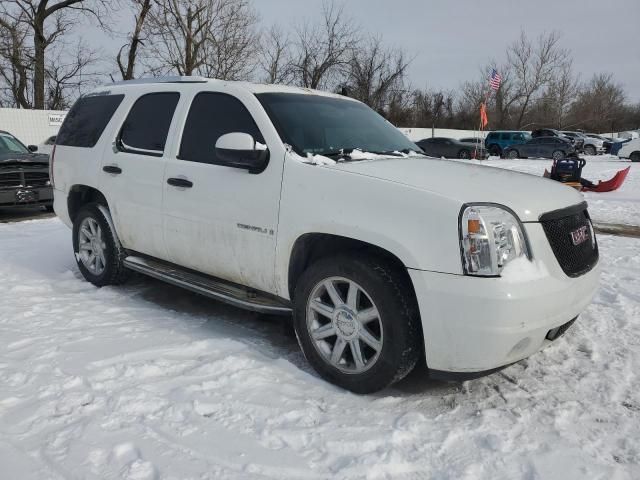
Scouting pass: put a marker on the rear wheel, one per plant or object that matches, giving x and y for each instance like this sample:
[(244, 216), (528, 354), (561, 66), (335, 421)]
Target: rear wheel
[(98, 252), (590, 150), (357, 322), (558, 155), (464, 154), (635, 157), (494, 150), (513, 154)]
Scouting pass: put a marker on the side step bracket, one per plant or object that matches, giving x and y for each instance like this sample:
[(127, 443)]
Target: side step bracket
[(212, 287)]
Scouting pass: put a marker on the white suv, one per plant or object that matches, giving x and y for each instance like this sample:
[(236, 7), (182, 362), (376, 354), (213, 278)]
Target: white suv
[(292, 201)]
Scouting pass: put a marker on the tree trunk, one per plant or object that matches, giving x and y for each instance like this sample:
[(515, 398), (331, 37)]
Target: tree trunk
[(39, 46)]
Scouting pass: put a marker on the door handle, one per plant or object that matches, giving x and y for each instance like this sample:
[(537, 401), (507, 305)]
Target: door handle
[(179, 182), (112, 169)]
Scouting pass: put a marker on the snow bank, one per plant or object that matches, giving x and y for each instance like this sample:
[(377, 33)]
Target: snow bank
[(147, 381)]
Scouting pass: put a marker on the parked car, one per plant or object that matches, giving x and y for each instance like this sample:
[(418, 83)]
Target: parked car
[(473, 140), (578, 143), (47, 145), (498, 140), (607, 142), (590, 145), (541, 147), (24, 175), (630, 149), (310, 204), (450, 148)]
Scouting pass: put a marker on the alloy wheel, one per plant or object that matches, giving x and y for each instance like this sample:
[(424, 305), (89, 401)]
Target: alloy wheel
[(91, 246), (344, 325)]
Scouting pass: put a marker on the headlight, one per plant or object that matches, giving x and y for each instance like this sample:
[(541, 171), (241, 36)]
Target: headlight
[(490, 237)]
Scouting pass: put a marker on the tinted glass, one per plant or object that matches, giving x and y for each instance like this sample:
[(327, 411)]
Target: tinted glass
[(10, 144), (320, 124), (148, 122), (505, 136), (212, 115), (87, 119)]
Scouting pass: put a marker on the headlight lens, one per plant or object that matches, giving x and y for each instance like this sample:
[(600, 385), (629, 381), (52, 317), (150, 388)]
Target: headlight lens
[(490, 237)]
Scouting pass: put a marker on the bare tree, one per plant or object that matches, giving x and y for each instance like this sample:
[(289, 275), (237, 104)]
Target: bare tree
[(600, 104), (533, 66), (215, 38), (374, 71), (69, 74), (127, 71), (15, 63), (48, 21), (322, 50), (274, 57)]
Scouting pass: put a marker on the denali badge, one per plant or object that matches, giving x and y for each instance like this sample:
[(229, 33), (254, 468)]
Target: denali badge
[(579, 235)]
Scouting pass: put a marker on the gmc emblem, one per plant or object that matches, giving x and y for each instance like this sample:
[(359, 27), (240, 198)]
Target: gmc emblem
[(580, 235)]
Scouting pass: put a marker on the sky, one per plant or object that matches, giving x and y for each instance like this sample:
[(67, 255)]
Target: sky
[(450, 40)]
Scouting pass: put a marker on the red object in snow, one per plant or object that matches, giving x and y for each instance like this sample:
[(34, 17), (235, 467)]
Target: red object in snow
[(610, 185), (603, 186)]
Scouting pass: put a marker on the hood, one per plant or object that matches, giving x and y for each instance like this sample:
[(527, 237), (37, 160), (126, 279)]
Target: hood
[(527, 195), (23, 159)]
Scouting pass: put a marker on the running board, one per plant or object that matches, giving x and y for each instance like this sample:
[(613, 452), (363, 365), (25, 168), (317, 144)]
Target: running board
[(212, 287)]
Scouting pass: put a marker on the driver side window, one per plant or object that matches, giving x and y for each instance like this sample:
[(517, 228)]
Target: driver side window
[(212, 115)]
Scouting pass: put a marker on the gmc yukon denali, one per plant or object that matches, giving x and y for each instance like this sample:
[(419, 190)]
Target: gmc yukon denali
[(291, 201)]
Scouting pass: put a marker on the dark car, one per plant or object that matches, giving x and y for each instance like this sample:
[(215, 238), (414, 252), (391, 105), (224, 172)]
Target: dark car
[(551, 132), (498, 140), (24, 175), (450, 148), (541, 147)]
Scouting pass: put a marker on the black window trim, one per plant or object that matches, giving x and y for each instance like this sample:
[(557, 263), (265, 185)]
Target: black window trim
[(186, 118), (123, 147)]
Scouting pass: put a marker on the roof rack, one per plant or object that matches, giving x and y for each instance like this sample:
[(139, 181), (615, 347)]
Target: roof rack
[(171, 79)]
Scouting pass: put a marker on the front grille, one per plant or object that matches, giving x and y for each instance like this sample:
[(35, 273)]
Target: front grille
[(36, 179), (24, 178), (575, 260), (10, 180)]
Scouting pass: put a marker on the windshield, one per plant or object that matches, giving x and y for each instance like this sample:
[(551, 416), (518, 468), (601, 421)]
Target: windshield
[(10, 144), (318, 125)]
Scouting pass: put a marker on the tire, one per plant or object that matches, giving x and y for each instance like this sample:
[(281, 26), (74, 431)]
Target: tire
[(635, 157), (395, 331), (92, 219), (49, 208), (590, 150), (495, 151), (513, 154), (464, 154), (558, 155)]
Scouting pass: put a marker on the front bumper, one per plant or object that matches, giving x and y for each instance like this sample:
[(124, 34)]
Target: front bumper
[(474, 325), (26, 197)]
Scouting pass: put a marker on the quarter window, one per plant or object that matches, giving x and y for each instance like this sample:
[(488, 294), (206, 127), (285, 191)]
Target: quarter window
[(212, 115), (147, 125), (87, 119)]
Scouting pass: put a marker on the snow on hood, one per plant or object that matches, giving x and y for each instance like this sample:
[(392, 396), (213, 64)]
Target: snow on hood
[(529, 196)]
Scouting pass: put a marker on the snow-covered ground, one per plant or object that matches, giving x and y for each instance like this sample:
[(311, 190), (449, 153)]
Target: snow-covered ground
[(148, 381), (621, 206)]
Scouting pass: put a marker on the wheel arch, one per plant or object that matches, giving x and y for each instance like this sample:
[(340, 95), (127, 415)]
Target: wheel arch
[(310, 247), (80, 195)]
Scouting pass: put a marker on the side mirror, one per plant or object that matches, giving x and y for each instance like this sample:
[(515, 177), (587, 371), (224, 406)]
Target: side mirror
[(33, 148), (240, 150)]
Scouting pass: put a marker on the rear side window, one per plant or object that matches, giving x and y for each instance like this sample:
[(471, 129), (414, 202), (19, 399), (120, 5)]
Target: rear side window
[(505, 136), (212, 115), (87, 119), (147, 125)]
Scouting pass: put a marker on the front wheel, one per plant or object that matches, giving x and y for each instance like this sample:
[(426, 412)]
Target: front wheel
[(635, 157), (513, 154), (464, 154), (98, 252), (357, 322), (558, 155), (590, 150)]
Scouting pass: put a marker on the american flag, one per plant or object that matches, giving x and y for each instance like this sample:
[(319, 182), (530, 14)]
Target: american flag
[(494, 80)]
